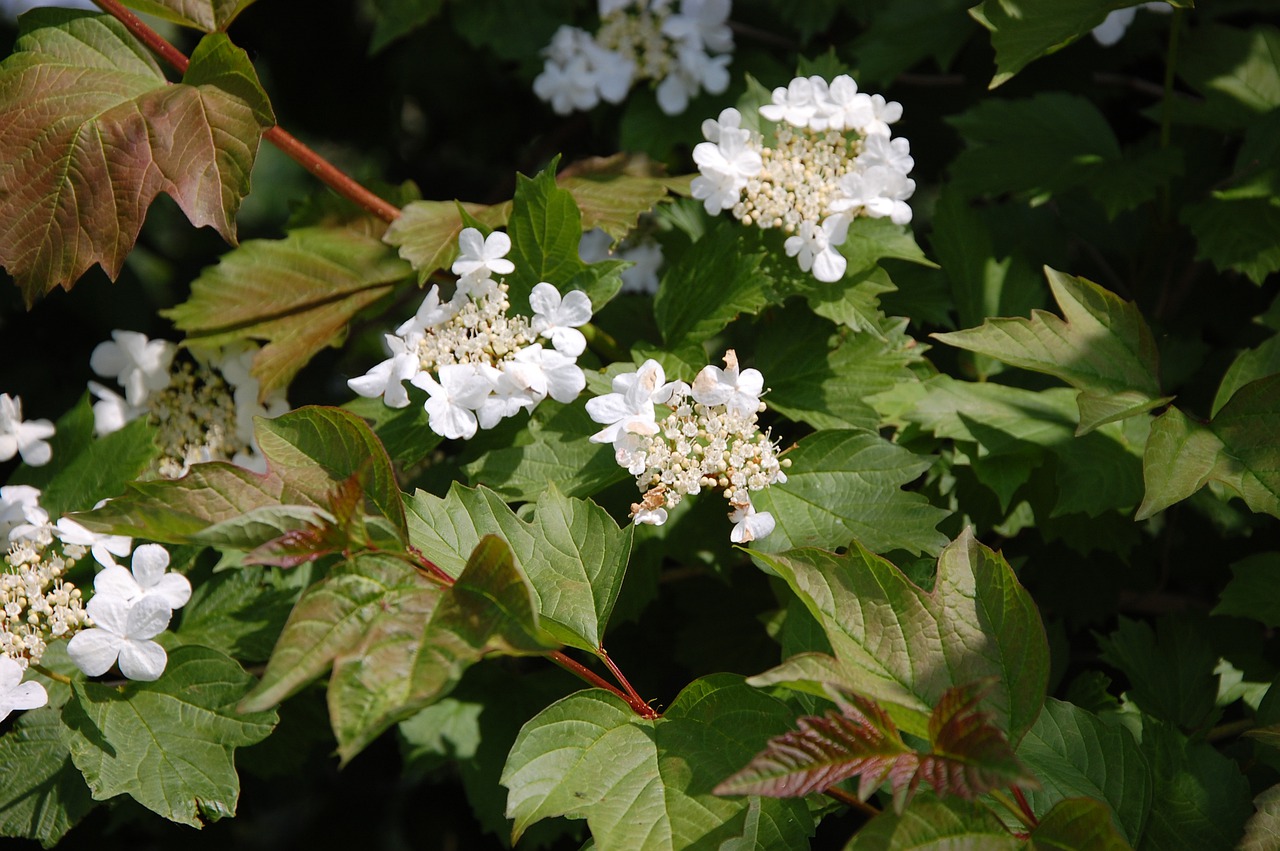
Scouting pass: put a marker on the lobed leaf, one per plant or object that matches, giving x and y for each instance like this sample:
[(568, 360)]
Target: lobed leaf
[(1077, 824), (167, 744), (572, 552), (930, 823), (846, 484), (1236, 448), (647, 784), (95, 133), (904, 647), (1025, 30), (1252, 591), (1101, 346), (296, 294)]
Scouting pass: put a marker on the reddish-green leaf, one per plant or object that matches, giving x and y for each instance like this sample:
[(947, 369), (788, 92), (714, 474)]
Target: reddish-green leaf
[(311, 453), (969, 755), (296, 293), (92, 132), (207, 15)]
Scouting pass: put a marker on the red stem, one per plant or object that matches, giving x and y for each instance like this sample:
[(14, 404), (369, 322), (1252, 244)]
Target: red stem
[(851, 801), (634, 697), (289, 144), (633, 700), (430, 567), (1022, 803)]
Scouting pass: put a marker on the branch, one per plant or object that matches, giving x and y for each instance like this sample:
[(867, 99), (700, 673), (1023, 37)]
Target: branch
[(290, 145), (581, 671)]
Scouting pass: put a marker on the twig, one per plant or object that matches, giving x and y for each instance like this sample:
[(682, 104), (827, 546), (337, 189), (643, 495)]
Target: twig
[(634, 697), (290, 145), (851, 801), (576, 668)]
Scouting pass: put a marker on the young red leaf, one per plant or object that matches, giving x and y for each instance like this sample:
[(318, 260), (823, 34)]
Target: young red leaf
[(970, 755), (93, 132), (859, 739)]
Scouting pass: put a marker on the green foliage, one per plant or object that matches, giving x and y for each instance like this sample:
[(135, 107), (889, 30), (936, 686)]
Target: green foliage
[(1016, 590)]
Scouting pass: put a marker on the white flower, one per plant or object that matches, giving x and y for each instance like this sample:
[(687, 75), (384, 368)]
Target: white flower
[(430, 313), (19, 506), (23, 438), (730, 121), (749, 524), (1113, 28), (724, 168), (629, 409), (877, 192), (461, 390), (481, 256), (883, 113), (122, 631), (843, 107), (558, 319), (893, 154), (794, 104), (651, 516), (813, 248), (102, 546), (141, 366), (611, 72), (387, 378), (702, 22), (148, 577), (112, 411), (694, 70), (562, 377), (738, 391), (14, 693)]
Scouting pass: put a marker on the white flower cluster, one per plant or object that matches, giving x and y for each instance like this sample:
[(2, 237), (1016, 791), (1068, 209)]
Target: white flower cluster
[(816, 178), (128, 609), (478, 364), (203, 407), (684, 52), (706, 437), (28, 439)]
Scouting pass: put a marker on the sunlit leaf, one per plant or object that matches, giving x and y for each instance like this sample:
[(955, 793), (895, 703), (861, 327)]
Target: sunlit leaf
[(930, 823), (167, 744), (1101, 346), (904, 647), (42, 795), (1262, 831), (845, 484), (573, 553), (644, 784), (296, 294), (94, 133)]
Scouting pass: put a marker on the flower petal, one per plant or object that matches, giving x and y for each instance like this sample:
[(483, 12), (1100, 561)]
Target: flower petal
[(94, 650), (142, 660)]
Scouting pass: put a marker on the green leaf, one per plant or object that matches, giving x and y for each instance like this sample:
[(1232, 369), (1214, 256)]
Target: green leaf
[(1262, 831), (613, 192), (573, 553), (930, 823), (402, 431), (1237, 448), (1025, 30), (1102, 347), (332, 618), (417, 649), (1236, 69), (93, 133), (42, 795), (812, 381), (1170, 670), (426, 233), (87, 468), (1253, 591), (552, 450), (207, 15), (1235, 234), (1249, 365), (710, 285), (240, 612), (1201, 799), (904, 33), (394, 19), (167, 744), (297, 294), (1077, 824), (848, 484), (312, 454), (646, 784), (871, 240), (904, 647), (1077, 755)]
